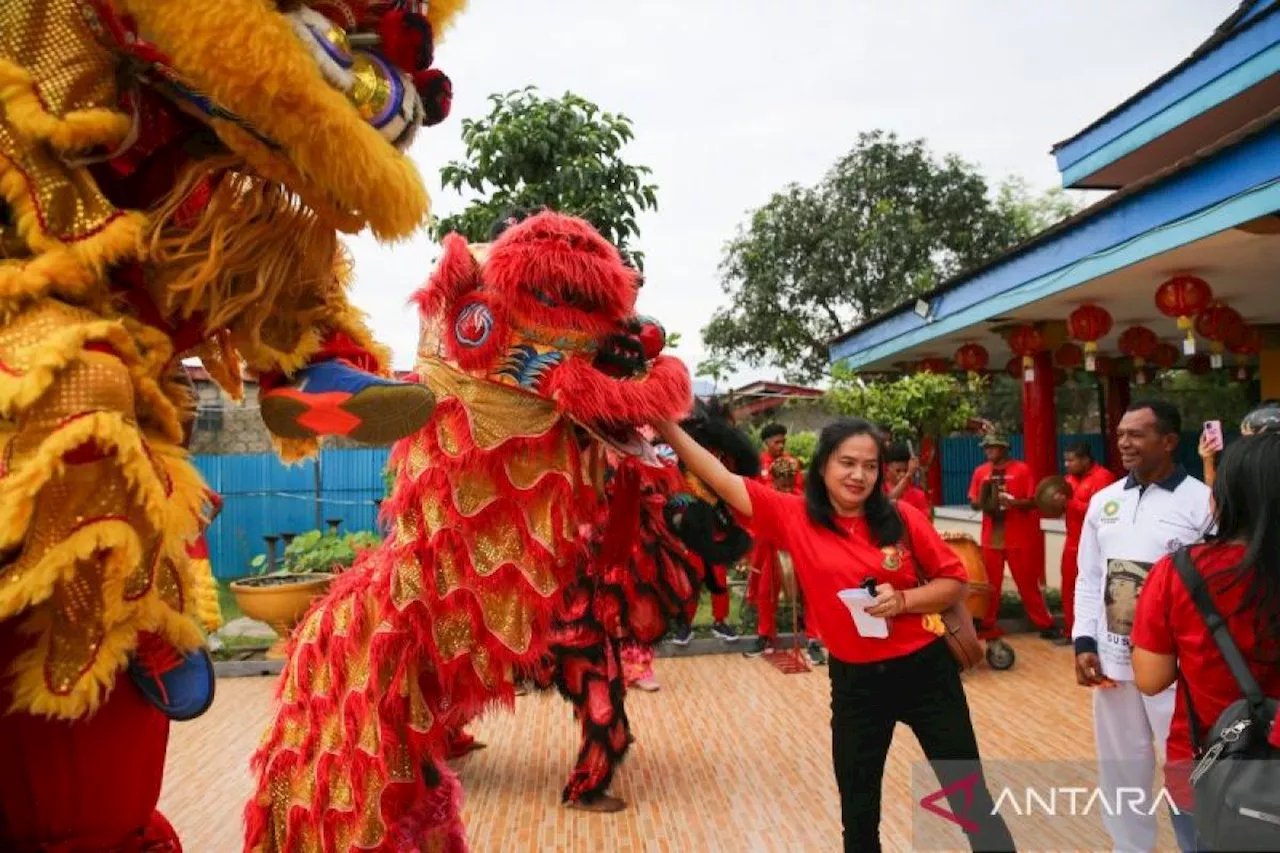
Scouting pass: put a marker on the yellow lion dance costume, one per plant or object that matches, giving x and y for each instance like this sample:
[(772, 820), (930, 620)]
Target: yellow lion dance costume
[(174, 177)]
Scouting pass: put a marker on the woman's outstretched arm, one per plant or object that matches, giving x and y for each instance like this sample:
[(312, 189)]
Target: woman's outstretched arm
[(706, 467)]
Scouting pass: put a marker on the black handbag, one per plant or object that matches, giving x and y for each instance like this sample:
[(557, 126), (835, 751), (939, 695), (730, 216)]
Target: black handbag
[(1236, 779)]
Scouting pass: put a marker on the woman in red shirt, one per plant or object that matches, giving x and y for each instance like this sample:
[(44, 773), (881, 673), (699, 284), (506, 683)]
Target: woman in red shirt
[(1241, 568), (843, 533)]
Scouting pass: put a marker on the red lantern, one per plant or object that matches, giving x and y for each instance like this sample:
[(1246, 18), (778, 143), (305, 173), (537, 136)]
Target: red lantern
[(1139, 343), (1184, 297), (1014, 368), (1215, 323), (1245, 341), (1068, 356), (972, 358), (1165, 356), (1089, 324), (934, 365), (1026, 341)]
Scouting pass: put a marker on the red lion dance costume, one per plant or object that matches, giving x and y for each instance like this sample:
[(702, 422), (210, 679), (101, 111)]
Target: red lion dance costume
[(173, 180), (533, 352), (652, 557)]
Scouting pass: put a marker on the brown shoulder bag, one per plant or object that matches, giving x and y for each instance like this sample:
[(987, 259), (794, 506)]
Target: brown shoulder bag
[(961, 636)]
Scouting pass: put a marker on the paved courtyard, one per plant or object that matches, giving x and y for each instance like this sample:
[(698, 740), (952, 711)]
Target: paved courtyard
[(731, 756)]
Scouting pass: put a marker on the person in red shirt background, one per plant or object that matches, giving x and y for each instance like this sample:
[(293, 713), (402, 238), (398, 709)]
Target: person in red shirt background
[(1009, 534), (899, 478), (1086, 478), (765, 584), (1240, 566), (774, 437)]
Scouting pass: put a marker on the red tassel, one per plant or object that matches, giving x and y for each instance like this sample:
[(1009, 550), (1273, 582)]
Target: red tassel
[(436, 90)]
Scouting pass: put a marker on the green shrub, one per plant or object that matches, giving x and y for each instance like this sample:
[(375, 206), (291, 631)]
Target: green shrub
[(318, 552)]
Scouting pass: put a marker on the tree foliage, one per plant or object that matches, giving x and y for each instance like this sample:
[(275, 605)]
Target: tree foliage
[(887, 222), (562, 153), (914, 406)]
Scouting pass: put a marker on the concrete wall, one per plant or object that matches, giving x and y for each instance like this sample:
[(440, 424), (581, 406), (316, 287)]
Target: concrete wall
[(961, 519)]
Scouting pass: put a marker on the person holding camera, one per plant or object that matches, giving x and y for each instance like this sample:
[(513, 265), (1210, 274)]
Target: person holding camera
[(845, 535)]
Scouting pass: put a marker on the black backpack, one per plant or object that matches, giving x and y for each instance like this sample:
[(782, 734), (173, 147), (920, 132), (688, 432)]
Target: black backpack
[(1237, 775)]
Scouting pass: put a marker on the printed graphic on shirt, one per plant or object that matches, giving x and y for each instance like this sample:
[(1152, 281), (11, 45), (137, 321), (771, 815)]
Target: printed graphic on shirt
[(1120, 596), (892, 557), (1110, 510)]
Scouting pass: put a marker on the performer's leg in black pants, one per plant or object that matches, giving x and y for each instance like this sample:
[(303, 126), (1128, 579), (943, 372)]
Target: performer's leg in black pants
[(923, 690), (938, 713), (862, 721)]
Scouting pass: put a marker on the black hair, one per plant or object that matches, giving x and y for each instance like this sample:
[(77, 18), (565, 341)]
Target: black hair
[(1246, 496), (1168, 418), (1082, 450), (896, 453), (882, 516), (771, 430)]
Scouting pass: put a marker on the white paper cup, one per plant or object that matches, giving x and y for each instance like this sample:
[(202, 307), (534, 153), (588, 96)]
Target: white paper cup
[(858, 600)]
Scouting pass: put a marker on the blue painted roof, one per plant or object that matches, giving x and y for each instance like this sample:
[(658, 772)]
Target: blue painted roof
[(1232, 183), (1243, 51)]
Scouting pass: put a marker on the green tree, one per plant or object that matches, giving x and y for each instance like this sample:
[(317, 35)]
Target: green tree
[(887, 222), (715, 368), (915, 406), (1030, 213), (563, 153)]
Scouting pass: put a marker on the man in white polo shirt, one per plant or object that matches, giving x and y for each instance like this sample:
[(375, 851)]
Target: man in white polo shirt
[(1130, 525)]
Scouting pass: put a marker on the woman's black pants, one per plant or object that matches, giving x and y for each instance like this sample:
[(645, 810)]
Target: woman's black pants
[(923, 690)]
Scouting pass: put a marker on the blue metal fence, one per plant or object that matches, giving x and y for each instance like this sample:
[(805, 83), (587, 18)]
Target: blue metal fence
[(962, 454), (263, 496)]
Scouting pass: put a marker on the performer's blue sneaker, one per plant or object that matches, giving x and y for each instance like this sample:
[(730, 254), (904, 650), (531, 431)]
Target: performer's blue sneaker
[(180, 685), (334, 398)]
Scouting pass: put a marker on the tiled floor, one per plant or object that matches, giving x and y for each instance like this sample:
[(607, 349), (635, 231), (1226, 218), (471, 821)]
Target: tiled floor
[(731, 756)]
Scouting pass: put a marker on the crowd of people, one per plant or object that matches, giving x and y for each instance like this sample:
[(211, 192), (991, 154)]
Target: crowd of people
[(857, 521)]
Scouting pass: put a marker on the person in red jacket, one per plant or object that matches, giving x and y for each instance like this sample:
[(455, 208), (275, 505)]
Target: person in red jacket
[(900, 468), (1009, 533), (1086, 478)]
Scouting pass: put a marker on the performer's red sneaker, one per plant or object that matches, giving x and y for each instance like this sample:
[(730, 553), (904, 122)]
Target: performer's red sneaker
[(333, 398)]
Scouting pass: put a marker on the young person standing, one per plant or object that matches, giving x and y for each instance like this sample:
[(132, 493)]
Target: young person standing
[(1129, 526), (899, 478), (844, 533), (1086, 478)]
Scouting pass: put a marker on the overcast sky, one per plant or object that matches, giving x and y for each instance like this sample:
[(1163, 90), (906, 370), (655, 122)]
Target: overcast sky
[(733, 99)]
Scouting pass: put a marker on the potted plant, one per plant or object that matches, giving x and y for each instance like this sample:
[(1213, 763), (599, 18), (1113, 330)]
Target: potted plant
[(280, 595)]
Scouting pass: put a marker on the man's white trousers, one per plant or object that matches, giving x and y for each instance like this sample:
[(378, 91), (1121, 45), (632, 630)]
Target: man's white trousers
[(1130, 730)]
